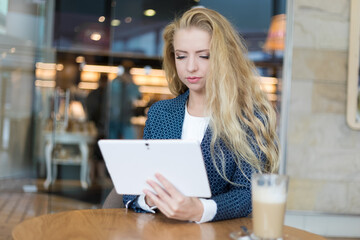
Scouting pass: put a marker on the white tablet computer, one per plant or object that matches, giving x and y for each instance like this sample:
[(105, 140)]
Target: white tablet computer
[(131, 162)]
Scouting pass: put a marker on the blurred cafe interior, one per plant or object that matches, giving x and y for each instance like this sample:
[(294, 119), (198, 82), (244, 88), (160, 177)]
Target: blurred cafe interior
[(73, 72)]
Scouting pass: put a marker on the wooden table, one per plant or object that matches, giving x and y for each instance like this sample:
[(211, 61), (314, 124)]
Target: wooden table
[(117, 224)]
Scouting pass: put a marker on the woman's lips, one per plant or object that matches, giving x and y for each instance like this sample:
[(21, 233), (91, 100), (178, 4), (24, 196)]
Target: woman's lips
[(193, 79)]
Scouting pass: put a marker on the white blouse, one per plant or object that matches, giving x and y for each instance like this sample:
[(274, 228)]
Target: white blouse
[(194, 128)]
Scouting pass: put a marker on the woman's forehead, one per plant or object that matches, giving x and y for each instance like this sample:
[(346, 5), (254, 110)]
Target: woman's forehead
[(192, 38)]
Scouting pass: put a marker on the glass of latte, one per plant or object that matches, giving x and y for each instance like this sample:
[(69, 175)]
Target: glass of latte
[(269, 193)]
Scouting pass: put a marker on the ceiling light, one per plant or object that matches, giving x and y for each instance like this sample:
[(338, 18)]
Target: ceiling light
[(59, 67), (80, 59), (100, 68), (115, 22), (95, 36), (149, 12), (46, 66), (88, 85), (101, 19), (41, 83), (128, 19)]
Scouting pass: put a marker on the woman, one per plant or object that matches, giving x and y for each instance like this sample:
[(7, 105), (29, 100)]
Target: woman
[(220, 103)]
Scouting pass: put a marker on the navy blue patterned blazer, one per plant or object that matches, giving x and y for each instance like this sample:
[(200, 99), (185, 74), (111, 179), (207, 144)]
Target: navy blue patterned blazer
[(165, 121)]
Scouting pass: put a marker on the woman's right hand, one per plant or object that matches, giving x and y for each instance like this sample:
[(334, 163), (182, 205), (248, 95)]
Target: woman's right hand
[(172, 203)]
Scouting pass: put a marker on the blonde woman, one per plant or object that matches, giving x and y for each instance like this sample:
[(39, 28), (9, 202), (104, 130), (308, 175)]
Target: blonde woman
[(219, 102)]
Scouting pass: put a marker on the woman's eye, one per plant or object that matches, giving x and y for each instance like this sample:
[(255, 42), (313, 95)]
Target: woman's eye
[(180, 57), (205, 56)]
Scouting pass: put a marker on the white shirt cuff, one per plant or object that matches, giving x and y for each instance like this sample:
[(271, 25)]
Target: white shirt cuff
[(143, 205), (210, 209)]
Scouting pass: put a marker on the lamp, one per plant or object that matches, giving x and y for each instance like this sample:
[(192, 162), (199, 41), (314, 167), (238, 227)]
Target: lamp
[(275, 40)]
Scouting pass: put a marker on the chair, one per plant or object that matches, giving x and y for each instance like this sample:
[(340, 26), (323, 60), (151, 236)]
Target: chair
[(113, 200)]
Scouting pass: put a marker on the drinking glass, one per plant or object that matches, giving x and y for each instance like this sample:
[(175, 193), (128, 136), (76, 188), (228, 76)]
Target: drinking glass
[(269, 193)]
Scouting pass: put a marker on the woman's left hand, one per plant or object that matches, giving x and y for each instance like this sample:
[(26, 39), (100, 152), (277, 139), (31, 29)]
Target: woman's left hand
[(172, 203)]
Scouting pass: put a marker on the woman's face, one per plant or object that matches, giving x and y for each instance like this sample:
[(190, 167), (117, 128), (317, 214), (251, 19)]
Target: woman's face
[(192, 53)]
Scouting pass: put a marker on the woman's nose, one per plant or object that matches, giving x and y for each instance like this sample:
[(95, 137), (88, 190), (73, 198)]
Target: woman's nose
[(191, 64)]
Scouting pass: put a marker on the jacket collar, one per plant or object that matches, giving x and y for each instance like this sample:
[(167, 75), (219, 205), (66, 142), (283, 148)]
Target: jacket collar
[(175, 118)]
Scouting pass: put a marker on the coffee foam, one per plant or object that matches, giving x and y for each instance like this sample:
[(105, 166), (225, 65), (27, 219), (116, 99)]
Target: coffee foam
[(269, 194)]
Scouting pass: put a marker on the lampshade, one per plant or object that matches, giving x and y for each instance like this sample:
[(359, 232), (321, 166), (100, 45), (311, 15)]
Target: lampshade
[(276, 36)]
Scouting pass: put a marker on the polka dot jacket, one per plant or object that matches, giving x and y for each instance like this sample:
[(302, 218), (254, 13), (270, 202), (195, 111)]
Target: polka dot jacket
[(165, 120)]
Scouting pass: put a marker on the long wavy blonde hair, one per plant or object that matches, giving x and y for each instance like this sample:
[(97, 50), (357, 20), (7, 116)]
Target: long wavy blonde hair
[(240, 113)]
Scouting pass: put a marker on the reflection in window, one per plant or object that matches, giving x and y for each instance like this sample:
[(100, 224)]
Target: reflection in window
[(144, 44)]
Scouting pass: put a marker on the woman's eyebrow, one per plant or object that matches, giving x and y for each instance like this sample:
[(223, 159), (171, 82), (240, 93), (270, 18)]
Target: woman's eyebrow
[(199, 51), (181, 51), (203, 50)]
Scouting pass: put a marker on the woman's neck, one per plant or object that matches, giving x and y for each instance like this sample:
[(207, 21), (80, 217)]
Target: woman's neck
[(196, 105)]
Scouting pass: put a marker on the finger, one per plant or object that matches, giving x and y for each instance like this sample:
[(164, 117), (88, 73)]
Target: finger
[(161, 205), (148, 201), (177, 199), (169, 187), (161, 192), (152, 196), (165, 201)]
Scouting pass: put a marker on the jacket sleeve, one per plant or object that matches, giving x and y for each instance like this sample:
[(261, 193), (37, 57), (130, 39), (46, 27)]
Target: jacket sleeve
[(131, 201), (236, 201)]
